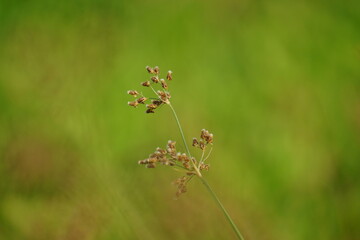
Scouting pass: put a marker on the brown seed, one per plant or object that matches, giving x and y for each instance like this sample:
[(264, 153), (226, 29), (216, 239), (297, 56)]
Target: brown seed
[(146, 84), (186, 165), (152, 160), (151, 165), (203, 133), (133, 104), (151, 106), (210, 138), (160, 150), (141, 100), (168, 95), (150, 110), (156, 70), (163, 84), (169, 75), (142, 161), (206, 136), (133, 93), (202, 145), (157, 102), (155, 79), (164, 96), (150, 70), (195, 142), (171, 144)]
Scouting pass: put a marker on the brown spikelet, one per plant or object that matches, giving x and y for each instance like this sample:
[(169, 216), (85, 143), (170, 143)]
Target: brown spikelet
[(151, 106), (141, 100), (133, 103), (150, 70), (156, 70), (195, 142), (157, 102), (133, 93), (163, 84), (169, 75), (155, 79), (146, 84)]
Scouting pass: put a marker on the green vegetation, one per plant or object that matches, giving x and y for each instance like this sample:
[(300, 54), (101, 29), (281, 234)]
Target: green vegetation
[(277, 82)]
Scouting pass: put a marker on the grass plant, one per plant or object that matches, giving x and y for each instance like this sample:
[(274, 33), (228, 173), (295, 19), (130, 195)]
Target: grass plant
[(169, 156)]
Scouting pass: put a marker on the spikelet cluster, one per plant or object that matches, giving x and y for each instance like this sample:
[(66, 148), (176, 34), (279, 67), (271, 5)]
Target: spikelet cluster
[(181, 185), (206, 138), (161, 96), (170, 156)]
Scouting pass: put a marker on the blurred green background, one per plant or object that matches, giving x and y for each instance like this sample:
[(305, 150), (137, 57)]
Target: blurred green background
[(277, 82)]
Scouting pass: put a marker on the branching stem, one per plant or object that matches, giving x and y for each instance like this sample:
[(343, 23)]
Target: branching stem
[(184, 140), (217, 200)]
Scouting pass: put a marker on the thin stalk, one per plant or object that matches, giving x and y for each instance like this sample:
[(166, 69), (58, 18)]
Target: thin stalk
[(201, 159), (207, 155), (217, 200), (184, 140), (181, 131), (154, 91)]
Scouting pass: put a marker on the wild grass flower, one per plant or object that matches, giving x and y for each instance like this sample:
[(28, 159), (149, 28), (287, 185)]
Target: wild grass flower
[(169, 155)]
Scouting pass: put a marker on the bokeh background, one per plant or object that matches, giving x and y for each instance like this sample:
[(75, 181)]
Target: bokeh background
[(277, 82)]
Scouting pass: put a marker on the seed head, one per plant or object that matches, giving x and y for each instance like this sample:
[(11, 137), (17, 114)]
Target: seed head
[(181, 185), (169, 156), (186, 165), (156, 70), (202, 145), (163, 96), (150, 70), (206, 136), (204, 166), (141, 100), (155, 79), (203, 132), (157, 102), (168, 95), (142, 161), (169, 75), (147, 161), (151, 106), (133, 93), (163, 84), (210, 138), (171, 144), (133, 103), (151, 165), (195, 142), (161, 151), (146, 84)]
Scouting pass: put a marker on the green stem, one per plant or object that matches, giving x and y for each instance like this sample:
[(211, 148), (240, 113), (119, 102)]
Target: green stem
[(184, 140), (181, 131), (217, 200)]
